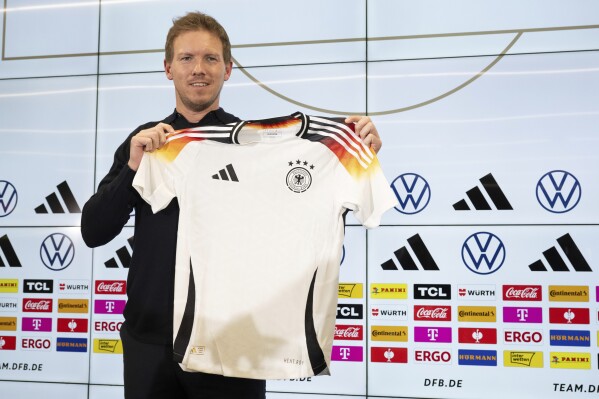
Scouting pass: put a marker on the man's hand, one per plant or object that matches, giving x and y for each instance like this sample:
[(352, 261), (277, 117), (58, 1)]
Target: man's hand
[(366, 130), (147, 140)]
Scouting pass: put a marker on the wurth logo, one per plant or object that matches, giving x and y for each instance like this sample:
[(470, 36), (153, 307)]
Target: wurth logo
[(413, 193), (558, 191)]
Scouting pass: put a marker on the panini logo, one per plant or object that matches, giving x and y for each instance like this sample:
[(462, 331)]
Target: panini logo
[(477, 313), (8, 324), (412, 191), (71, 344), (388, 355), (108, 346), (388, 291), (483, 253), (467, 335), (406, 261), (9, 285), (8, 198), (476, 292), (349, 290), (523, 359), (569, 338), (9, 305), (467, 357), (432, 291), (522, 293), (570, 360), (55, 206), (389, 312), (123, 254), (73, 306), (557, 263), (7, 250), (389, 333), (558, 191), (478, 200), (574, 293)]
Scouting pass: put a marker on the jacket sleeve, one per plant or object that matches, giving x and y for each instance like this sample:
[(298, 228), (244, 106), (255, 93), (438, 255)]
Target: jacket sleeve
[(107, 211)]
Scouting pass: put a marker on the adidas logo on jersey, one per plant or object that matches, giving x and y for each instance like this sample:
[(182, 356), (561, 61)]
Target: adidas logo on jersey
[(228, 173), (55, 206)]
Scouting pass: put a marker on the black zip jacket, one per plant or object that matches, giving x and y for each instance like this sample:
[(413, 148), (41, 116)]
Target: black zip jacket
[(150, 282)]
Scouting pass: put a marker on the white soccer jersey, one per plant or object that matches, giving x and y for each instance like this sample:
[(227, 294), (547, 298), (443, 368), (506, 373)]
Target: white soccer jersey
[(261, 229)]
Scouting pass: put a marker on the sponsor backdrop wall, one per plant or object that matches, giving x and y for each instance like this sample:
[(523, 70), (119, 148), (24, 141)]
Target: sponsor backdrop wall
[(482, 282)]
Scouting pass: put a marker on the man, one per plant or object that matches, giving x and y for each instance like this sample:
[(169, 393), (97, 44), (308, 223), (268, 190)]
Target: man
[(198, 61)]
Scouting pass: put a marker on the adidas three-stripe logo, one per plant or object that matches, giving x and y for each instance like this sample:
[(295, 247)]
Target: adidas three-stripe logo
[(557, 263), (123, 255), (55, 206), (8, 252), (228, 173), (476, 196), (405, 259)]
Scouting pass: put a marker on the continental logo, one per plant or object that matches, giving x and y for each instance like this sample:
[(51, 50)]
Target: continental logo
[(477, 313), (8, 324), (9, 285), (389, 333), (108, 346), (568, 293), (73, 306), (351, 290), (526, 359), (570, 360), (388, 291)]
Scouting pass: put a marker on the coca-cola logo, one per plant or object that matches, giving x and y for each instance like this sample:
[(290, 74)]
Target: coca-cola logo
[(350, 333), (115, 287), (37, 305), (522, 292), (434, 313)]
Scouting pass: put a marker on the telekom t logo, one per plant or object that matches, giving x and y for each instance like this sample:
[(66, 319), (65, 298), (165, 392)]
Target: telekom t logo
[(344, 353), (522, 314), (109, 306), (37, 323), (432, 334)]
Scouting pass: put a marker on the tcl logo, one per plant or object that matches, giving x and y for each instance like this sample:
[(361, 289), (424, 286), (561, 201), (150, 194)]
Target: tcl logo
[(432, 313), (37, 305), (432, 291), (108, 326), (42, 344), (522, 337), (38, 286), (349, 311), (522, 293), (111, 287), (432, 356), (350, 333)]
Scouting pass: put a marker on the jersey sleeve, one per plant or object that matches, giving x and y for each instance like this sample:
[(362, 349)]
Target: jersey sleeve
[(158, 175), (367, 193)]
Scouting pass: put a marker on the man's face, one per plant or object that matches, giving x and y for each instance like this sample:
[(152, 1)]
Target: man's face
[(198, 71)]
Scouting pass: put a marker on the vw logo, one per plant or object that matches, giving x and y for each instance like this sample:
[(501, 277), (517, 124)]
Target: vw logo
[(558, 191), (413, 193), (8, 198), (483, 253), (57, 251)]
